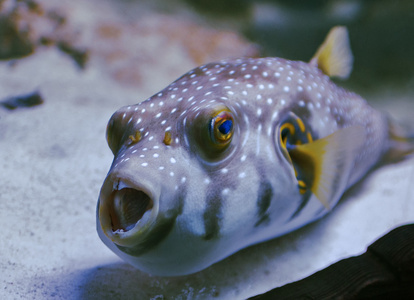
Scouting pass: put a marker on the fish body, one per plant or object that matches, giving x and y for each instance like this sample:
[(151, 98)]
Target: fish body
[(231, 154)]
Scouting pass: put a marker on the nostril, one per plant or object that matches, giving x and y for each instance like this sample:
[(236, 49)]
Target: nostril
[(128, 207)]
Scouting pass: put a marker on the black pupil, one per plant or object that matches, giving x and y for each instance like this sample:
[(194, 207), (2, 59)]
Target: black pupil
[(226, 127)]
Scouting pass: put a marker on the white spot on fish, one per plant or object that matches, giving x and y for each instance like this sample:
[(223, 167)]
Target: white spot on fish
[(269, 131)]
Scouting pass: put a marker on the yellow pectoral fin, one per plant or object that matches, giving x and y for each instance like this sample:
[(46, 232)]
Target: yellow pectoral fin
[(334, 56), (327, 162)]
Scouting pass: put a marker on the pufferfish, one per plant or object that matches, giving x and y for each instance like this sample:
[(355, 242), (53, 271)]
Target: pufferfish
[(235, 153)]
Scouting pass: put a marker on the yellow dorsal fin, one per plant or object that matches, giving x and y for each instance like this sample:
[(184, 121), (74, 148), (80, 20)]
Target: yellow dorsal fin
[(334, 56), (330, 160)]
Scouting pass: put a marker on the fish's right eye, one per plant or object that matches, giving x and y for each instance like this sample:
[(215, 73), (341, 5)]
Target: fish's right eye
[(221, 129), (211, 133)]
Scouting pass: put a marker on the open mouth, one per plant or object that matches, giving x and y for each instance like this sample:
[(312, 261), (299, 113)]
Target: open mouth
[(128, 207)]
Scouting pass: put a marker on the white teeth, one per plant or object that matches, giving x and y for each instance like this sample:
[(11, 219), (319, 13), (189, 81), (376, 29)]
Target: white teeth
[(119, 185)]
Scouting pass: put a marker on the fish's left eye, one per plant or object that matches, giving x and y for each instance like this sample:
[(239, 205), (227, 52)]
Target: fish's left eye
[(221, 128)]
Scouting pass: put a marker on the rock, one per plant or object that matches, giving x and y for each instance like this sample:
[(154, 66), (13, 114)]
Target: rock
[(385, 271)]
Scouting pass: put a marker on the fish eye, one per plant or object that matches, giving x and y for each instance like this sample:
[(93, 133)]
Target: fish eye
[(221, 128), (212, 133)]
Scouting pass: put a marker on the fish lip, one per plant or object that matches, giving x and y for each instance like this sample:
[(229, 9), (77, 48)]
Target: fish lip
[(114, 185)]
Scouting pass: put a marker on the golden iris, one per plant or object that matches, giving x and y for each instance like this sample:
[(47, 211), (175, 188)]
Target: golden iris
[(222, 128)]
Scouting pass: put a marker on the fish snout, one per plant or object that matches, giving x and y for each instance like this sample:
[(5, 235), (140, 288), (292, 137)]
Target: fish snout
[(126, 210)]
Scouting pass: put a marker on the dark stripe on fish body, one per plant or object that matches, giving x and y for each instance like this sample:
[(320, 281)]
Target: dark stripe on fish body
[(264, 199), (305, 199)]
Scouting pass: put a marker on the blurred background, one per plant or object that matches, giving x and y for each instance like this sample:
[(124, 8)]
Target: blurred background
[(381, 32)]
